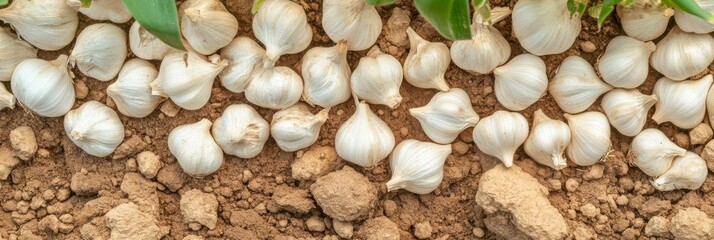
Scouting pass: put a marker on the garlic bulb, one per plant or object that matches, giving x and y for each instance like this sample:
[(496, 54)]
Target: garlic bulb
[(652, 152), (687, 172), (295, 128), (500, 134), (241, 131), (145, 45), (589, 138), (100, 51), (690, 23), (275, 88), (627, 110), (426, 62), (521, 82), (710, 104), (48, 25), (351, 20), (281, 26), (681, 103), (94, 128), (547, 141), (245, 59), (7, 100), (327, 75), (545, 27), (101, 10), (132, 90), (680, 55), (645, 23), (446, 115), (12, 52), (44, 87), (187, 82), (417, 166), (576, 86), (207, 25), (625, 63), (377, 79), (194, 148), (364, 139), (487, 48)]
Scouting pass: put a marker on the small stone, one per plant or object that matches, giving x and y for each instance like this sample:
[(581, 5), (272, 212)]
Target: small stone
[(283, 223), (554, 184), (460, 147), (589, 210), (37, 202), (380, 228), (571, 185), (396, 27), (588, 46), (129, 147), (169, 108), (314, 224), (707, 155), (404, 131), (172, 177), (66, 218), (343, 229), (131, 165), (390, 208), (48, 195), (87, 184), (658, 227), (7, 162), (199, 207), (23, 142), (49, 224), (63, 194), (422, 230), (314, 163), (148, 163), (478, 232), (692, 224), (701, 134), (596, 172), (80, 89), (622, 200), (681, 140), (247, 176)]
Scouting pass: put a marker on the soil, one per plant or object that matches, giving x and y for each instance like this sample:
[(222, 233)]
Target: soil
[(63, 193)]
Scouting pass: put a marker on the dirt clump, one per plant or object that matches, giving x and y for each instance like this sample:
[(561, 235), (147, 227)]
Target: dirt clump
[(692, 224), (379, 228), (345, 195), (23, 142), (658, 227), (87, 184), (148, 164), (315, 162), (199, 208), (127, 221), (293, 200), (343, 229), (129, 147), (171, 176), (7, 162)]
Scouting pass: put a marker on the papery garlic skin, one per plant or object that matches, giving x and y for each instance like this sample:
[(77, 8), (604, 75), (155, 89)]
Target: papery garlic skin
[(281, 26), (690, 23), (521, 82), (487, 48), (426, 62), (7, 100), (245, 59), (241, 131), (188, 83), (500, 134), (194, 148), (680, 55), (295, 128), (101, 10), (132, 90), (44, 87), (48, 25), (417, 166), (645, 23), (687, 172), (12, 52), (275, 88), (145, 45), (352, 20), (589, 138), (547, 141), (446, 115), (377, 79), (683, 103), (327, 75), (94, 128), (627, 110), (544, 27), (710, 105), (576, 85), (100, 51), (652, 152), (625, 63), (364, 139), (207, 25)]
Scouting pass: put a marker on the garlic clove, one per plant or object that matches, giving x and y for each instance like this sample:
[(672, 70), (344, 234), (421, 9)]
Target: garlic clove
[(12, 52), (547, 141), (487, 48), (94, 128), (426, 63), (281, 26), (187, 82), (351, 20), (589, 138), (101, 10), (132, 90), (576, 86), (544, 27), (207, 25), (690, 23), (680, 55), (241, 131), (194, 148), (446, 115), (145, 45), (683, 103), (521, 82), (417, 166), (245, 59), (625, 63), (327, 75), (644, 22), (275, 88), (500, 134), (652, 152), (100, 51), (48, 25), (687, 172), (627, 110), (364, 139), (44, 87), (7, 100), (377, 79), (295, 128)]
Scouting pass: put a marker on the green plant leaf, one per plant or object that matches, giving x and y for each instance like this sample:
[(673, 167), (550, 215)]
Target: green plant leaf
[(577, 7), (379, 2), (3, 2), (256, 5), (606, 8), (160, 18), (482, 8), (479, 3), (691, 7), (451, 18), (86, 3)]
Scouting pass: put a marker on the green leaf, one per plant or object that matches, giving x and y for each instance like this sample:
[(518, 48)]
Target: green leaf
[(86, 3), (479, 3), (483, 9), (577, 7), (606, 8), (451, 18), (691, 7), (160, 18), (256, 5), (3, 2), (379, 2)]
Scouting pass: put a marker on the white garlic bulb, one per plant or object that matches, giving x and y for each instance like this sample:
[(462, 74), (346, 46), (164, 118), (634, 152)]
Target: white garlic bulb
[(207, 25), (364, 139), (500, 134), (446, 115), (377, 79), (7, 100), (521, 82), (710, 105), (687, 172), (281, 25), (487, 48), (245, 59), (351, 20), (644, 22), (132, 90), (576, 86), (327, 75), (94, 128), (145, 45), (417, 166), (100, 51), (44, 87), (275, 88), (187, 82), (652, 152), (545, 27), (241, 131), (194, 148), (426, 62), (12, 52), (111, 10), (48, 25), (680, 55), (627, 110), (683, 103), (625, 63), (690, 23), (295, 128), (589, 138), (547, 141)]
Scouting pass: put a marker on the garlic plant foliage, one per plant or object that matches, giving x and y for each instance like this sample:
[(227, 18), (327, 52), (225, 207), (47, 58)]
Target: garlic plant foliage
[(145, 45), (446, 115), (687, 172), (241, 131), (377, 79), (275, 88), (327, 75), (44, 87), (194, 148), (101, 10), (99, 51), (295, 128), (417, 166), (690, 23), (426, 62), (589, 138), (94, 128), (545, 27), (487, 48), (187, 82), (364, 139), (644, 22), (12, 52), (652, 152), (625, 63), (48, 25), (521, 82), (683, 103), (7, 100), (245, 60), (680, 55), (500, 134), (281, 25), (352, 20), (132, 90), (576, 85), (627, 110), (547, 141), (207, 25)]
